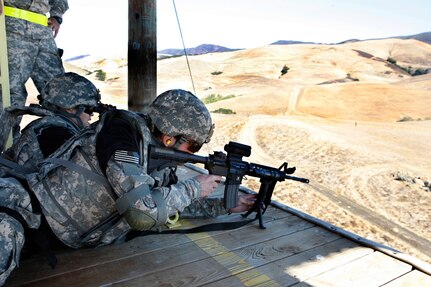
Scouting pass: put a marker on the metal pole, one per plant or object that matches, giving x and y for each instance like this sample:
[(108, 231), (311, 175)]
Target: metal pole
[(142, 54)]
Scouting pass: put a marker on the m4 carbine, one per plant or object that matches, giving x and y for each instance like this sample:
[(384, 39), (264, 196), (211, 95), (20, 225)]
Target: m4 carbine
[(233, 168)]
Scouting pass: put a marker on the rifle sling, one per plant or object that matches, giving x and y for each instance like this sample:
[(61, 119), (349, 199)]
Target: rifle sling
[(203, 228)]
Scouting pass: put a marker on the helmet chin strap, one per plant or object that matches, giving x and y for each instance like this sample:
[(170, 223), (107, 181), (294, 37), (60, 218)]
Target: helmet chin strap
[(74, 118)]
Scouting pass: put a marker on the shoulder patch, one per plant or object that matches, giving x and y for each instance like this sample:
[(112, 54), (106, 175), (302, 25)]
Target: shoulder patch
[(126, 156)]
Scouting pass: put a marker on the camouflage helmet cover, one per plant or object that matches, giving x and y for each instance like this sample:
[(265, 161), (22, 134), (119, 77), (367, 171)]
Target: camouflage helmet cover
[(70, 90), (178, 112)]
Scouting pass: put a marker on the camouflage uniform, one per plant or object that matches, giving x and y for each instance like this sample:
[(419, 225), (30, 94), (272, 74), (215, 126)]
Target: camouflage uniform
[(145, 200), (11, 243), (90, 198), (13, 198), (32, 51), (16, 211)]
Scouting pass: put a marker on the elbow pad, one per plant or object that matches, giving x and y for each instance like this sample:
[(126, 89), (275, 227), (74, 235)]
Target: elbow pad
[(137, 187), (142, 219)]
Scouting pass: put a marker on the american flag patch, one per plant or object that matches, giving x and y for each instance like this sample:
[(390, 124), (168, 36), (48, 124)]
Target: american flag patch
[(126, 156)]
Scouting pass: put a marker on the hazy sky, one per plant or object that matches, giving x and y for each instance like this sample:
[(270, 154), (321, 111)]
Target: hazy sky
[(99, 27)]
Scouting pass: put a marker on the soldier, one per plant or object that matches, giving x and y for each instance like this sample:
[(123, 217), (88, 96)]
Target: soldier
[(68, 102), (96, 188), (32, 51)]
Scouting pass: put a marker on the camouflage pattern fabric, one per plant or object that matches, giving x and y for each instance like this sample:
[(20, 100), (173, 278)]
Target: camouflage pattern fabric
[(204, 208), (29, 29), (74, 203), (13, 196), (10, 114), (26, 151), (68, 91), (189, 118), (80, 207), (82, 211), (32, 51), (39, 60), (11, 243)]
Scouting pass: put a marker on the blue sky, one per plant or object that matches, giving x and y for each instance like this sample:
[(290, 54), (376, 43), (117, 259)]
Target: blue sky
[(99, 27)]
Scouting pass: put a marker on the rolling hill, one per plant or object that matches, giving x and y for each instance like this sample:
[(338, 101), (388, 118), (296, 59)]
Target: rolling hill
[(339, 114), (317, 75)]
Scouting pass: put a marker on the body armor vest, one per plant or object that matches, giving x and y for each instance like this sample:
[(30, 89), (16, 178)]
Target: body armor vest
[(77, 199)]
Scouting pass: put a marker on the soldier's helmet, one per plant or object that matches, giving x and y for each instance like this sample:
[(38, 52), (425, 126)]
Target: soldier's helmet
[(180, 113), (69, 90)]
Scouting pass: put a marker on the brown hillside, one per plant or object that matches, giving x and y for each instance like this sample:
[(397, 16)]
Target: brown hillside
[(406, 52), (320, 79), (366, 102), (334, 116)]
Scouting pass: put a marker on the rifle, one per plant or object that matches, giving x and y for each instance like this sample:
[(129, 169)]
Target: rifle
[(101, 108), (233, 168)]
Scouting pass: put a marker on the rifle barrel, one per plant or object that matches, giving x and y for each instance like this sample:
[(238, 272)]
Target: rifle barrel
[(301, 179), (178, 156)]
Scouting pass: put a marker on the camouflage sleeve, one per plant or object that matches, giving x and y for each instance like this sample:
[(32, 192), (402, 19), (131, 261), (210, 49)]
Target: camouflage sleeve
[(204, 207), (125, 177), (58, 7)]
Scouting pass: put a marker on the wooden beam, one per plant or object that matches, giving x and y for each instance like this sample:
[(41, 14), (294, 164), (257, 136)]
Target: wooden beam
[(142, 54)]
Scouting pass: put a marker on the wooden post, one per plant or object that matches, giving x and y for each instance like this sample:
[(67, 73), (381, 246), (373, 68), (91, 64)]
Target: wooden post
[(142, 54)]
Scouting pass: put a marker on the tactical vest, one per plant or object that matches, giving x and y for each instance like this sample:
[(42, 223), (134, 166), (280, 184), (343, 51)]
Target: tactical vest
[(10, 114), (76, 198), (26, 151)]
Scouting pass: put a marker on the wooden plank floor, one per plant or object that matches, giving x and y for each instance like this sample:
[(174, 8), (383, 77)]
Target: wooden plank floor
[(289, 252)]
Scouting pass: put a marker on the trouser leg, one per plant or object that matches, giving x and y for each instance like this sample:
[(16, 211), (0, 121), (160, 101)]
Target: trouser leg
[(22, 54), (47, 64), (11, 243)]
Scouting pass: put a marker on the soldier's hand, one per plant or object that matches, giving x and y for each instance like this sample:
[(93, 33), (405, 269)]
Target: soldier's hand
[(245, 202), (208, 183), (54, 25)]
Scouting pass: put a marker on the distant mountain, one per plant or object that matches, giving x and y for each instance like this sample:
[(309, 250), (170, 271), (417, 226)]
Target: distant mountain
[(290, 42), (424, 37), (349, 41), (201, 49)]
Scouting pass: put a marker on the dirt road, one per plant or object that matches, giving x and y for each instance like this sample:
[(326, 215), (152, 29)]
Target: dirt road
[(352, 169)]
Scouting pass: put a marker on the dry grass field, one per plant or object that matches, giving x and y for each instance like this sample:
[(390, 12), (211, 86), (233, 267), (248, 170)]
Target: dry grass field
[(335, 115)]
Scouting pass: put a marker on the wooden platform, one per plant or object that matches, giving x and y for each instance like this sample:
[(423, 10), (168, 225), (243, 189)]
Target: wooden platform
[(291, 251)]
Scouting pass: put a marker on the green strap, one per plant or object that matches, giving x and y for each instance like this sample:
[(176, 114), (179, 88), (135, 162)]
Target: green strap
[(162, 211), (128, 199), (217, 226)]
